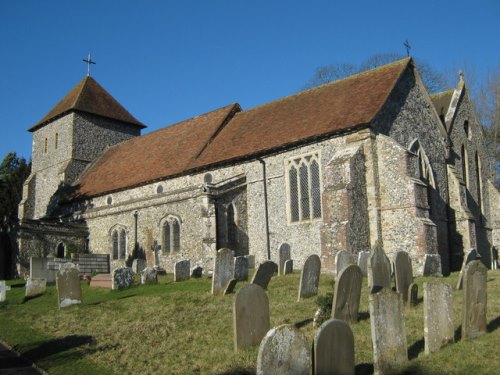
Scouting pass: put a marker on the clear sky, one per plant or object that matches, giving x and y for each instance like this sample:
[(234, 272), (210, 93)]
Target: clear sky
[(166, 61)]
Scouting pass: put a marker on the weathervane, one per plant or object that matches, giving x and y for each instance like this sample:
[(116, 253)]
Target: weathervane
[(408, 47), (89, 61)]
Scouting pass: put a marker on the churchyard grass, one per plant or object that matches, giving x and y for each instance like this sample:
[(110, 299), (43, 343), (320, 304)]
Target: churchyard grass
[(180, 328)]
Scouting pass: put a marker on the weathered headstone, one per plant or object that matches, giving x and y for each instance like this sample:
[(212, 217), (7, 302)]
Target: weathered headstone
[(333, 350), (197, 272), (342, 260), (284, 351), (250, 316), (379, 270), (138, 265), (182, 270), (309, 278), (363, 257), (264, 273), (347, 294), (288, 267), (122, 278), (413, 295), (432, 265), (231, 285), (149, 276), (223, 270), (403, 273), (251, 261), (388, 330), (475, 300), (69, 290), (438, 316), (35, 287), (39, 270), (471, 255), (241, 268), (284, 255), (3, 289)]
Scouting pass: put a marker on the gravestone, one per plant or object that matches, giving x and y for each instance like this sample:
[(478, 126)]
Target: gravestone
[(388, 330), (39, 270), (363, 262), (241, 268), (92, 263), (432, 265), (379, 270), (475, 300), (283, 351), (347, 294), (438, 316), (403, 273), (35, 287), (182, 270), (3, 290), (138, 265), (69, 290), (288, 267), (156, 247), (251, 261), (264, 273), (231, 285), (309, 277), (197, 272), (284, 254), (149, 276), (494, 257), (342, 260), (413, 295), (223, 270), (123, 277), (250, 316), (471, 255), (333, 349)]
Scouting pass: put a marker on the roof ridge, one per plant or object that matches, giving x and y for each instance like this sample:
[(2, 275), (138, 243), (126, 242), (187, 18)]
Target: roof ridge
[(80, 94)]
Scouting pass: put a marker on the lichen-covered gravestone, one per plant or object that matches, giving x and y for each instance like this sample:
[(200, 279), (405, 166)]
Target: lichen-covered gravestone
[(475, 298), (3, 289), (264, 273), (284, 255), (347, 294), (241, 268), (35, 287), (284, 351), (388, 330), (309, 278), (363, 262), (250, 316), (288, 267), (342, 260), (403, 273), (123, 278), (471, 255), (438, 316), (69, 290), (182, 270), (149, 276), (333, 351), (223, 270), (379, 270)]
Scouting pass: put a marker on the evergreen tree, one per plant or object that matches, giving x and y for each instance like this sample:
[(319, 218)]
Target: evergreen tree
[(13, 172)]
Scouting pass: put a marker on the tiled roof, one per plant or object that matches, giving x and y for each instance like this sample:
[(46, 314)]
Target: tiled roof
[(229, 134), (442, 101), (88, 96)]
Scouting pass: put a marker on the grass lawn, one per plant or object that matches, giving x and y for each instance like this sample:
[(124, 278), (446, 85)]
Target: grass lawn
[(180, 328)]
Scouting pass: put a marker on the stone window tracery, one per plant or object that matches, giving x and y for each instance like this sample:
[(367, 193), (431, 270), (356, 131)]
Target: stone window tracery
[(171, 235), (119, 242), (303, 188)]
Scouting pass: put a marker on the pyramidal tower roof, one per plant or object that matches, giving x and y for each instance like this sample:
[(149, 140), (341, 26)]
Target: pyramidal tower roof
[(90, 97)]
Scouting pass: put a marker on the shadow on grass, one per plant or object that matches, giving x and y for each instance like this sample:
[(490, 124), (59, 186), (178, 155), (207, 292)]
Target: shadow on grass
[(303, 323), (51, 347), (493, 324), (26, 299), (364, 369), (238, 371), (415, 349), (458, 333), (415, 369), (363, 315)]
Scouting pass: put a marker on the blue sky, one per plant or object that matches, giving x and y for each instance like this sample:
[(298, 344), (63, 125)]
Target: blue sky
[(166, 61)]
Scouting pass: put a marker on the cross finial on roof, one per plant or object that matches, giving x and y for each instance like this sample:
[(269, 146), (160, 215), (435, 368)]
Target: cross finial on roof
[(461, 75), (408, 47), (89, 61)]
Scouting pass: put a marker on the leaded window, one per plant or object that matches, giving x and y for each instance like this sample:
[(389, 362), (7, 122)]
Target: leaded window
[(119, 240), (304, 188), (171, 236)]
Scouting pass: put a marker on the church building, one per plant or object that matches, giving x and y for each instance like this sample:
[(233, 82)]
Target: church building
[(368, 158)]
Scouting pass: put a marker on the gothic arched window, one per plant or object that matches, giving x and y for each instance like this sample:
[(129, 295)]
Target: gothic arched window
[(231, 226), (119, 243), (171, 236), (465, 166), (115, 244)]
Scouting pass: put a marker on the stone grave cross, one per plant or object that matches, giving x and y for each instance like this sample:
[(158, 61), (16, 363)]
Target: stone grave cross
[(3, 289), (155, 247)]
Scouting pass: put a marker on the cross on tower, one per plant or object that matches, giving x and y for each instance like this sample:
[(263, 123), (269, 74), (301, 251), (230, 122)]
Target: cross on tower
[(408, 47), (89, 61)]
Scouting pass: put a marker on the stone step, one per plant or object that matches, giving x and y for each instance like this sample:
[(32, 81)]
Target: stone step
[(103, 280)]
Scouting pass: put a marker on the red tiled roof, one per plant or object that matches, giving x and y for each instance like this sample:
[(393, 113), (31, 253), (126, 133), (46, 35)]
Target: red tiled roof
[(88, 96), (229, 134)]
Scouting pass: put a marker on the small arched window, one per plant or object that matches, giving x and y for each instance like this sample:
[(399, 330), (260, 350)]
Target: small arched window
[(56, 141), (119, 241), (60, 250), (465, 166), (171, 236), (479, 184), (123, 244), (231, 226), (115, 244)]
